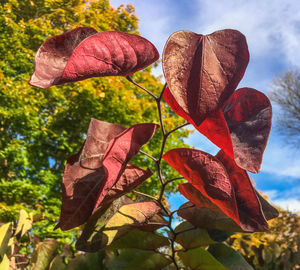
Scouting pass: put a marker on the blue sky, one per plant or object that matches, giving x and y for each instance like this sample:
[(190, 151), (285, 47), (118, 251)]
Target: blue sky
[(272, 29)]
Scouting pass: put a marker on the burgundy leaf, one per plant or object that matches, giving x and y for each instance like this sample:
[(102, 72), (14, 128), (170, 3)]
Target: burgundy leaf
[(53, 55), (92, 176), (202, 71), (120, 151), (250, 211), (248, 114), (83, 53), (207, 174)]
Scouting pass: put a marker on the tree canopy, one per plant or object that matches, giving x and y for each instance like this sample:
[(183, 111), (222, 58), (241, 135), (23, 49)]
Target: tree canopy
[(39, 129)]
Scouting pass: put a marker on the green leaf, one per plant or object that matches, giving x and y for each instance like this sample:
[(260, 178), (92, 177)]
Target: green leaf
[(192, 237), (229, 257), (200, 259), (130, 216), (4, 264), (140, 240), (43, 254), (58, 263), (5, 234), (24, 223), (219, 236), (88, 261), (134, 259)]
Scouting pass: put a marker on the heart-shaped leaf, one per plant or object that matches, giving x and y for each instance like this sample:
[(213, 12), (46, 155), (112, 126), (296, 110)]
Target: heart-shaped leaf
[(229, 257), (248, 114), (99, 234), (83, 53), (200, 259), (208, 175), (202, 71), (100, 171)]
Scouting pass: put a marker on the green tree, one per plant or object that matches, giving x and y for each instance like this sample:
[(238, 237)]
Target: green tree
[(39, 129)]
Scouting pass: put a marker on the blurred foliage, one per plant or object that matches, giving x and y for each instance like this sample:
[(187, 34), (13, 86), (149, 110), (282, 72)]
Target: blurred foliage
[(39, 128), (279, 248)]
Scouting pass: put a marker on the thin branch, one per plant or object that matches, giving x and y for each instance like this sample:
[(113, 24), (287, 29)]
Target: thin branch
[(144, 194), (181, 126), (162, 92), (173, 179), (143, 88), (149, 156)]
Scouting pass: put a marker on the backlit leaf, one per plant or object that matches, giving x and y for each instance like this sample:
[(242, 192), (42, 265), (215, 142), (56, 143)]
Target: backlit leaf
[(202, 71), (200, 259), (88, 261), (134, 259), (229, 257), (43, 254), (208, 175), (100, 171), (5, 234), (189, 236), (142, 215), (241, 128), (83, 53), (250, 211), (24, 223)]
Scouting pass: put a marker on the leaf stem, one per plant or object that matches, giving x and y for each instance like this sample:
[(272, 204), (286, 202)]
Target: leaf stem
[(146, 90), (149, 156)]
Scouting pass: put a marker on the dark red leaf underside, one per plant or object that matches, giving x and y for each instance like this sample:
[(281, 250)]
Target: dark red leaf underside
[(86, 174), (53, 55), (248, 114), (208, 175), (203, 71), (250, 211), (108, 53)]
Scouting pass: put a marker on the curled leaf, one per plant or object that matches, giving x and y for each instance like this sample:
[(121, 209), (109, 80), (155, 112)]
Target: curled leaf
[(100, 172), (202, 71), (83, 53)]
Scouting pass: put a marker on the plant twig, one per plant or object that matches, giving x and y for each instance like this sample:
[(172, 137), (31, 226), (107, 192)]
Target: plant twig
[(149, 156), (146, 90), (144, 194)]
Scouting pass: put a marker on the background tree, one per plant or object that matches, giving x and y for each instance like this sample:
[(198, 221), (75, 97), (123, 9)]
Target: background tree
[(286, 94), (39, 129)]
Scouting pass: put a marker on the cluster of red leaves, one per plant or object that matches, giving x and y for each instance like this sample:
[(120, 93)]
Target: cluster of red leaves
[(202, 73)]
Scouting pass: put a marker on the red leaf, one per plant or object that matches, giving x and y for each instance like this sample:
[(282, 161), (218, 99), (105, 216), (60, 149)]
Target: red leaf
[(202, 71), (207, 174), (53, 55), (248, 114), (244, 134), (250, 211), (83, 53), (96, 174)]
